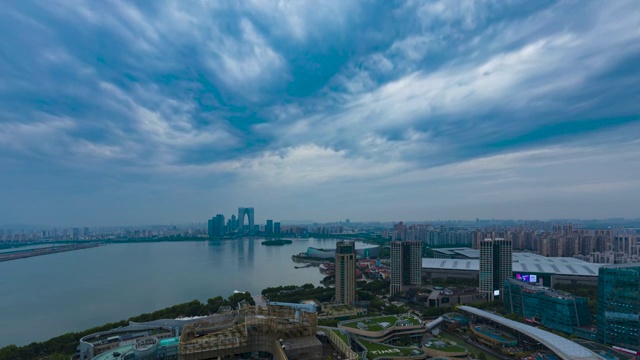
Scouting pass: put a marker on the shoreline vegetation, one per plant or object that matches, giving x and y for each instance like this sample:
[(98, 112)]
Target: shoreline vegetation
[(64, 346), (371, 293)]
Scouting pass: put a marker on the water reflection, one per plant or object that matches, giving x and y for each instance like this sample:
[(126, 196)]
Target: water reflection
[(171, 273)]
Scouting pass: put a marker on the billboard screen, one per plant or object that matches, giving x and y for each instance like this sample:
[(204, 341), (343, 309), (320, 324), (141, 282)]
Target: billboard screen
[(530, 278)]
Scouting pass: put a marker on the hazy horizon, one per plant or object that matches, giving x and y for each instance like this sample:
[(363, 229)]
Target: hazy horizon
[(171, 112), (287, 222)]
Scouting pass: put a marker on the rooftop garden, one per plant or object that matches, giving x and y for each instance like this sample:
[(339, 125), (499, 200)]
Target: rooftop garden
[(377, 350), (445, 346), (380, 323), (341, 336)]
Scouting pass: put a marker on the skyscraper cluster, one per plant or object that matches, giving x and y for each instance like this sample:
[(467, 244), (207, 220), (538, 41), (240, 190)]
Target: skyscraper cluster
[(217, 227)]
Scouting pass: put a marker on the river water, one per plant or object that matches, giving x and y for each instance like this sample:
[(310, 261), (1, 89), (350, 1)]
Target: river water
[(46, 296)]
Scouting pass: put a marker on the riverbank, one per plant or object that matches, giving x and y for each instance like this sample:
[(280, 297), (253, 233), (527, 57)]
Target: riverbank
[(64, 346), (86, 287), (22, 254)]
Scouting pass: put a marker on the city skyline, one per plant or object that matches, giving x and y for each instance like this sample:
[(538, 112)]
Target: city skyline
[(601, 223), (166, 112)]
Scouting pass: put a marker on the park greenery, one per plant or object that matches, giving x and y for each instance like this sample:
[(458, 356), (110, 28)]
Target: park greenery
[(295, 294), (62, 347)]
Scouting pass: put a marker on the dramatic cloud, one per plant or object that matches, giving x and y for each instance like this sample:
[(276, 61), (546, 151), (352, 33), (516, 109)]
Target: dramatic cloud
[(171, 111)]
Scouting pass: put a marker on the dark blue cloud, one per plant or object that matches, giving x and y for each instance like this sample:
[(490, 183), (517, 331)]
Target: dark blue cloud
[(201, 100)]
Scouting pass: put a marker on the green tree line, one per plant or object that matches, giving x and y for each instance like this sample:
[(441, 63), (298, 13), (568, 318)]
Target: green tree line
[(295, 294), (65, 345)]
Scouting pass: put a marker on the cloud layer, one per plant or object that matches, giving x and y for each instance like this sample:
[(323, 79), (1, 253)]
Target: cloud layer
[(128, 113)]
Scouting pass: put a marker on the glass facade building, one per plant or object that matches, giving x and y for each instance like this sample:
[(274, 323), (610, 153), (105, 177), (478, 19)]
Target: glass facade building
[(496, 266), (553, 309), (618, 314), (406, 265)]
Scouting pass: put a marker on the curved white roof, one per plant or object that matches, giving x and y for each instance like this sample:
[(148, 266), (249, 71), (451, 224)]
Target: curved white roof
[(523, 263), (565, 349)]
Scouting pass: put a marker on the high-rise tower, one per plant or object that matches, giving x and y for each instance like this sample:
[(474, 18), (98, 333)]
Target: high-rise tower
[(241, 214), (345, 272), (406, 265), (496, 266)]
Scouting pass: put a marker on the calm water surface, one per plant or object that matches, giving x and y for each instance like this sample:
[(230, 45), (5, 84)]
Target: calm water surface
[(45, 296)]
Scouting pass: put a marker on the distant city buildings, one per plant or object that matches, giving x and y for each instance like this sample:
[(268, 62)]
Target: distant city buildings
[(495, 266), (268, 228), (618, 312), (614, 245), (345, 272), (216, 226), (406, 265)]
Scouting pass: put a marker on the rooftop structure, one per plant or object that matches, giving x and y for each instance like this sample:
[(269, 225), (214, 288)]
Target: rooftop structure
[(363, 251), (308, 306), (449, 297), (245, 331), (550, 270), (455, 318), (105, 341), (444, 348), (385, 328), (456, 253), (563, 348), (302, 348), (340, 340), (340, 311), (148, 348), (493, 337), (376, 350)]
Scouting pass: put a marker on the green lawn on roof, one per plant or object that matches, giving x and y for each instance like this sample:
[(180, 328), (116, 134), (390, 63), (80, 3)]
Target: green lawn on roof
[(411, 319), (373, 324), (376, 350), (449, 348), (341, 336)]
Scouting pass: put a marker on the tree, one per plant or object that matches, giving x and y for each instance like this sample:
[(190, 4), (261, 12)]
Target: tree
[(405, 340), (482, 356)]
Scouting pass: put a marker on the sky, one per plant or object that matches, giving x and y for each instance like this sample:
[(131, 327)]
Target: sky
[(157, 112)]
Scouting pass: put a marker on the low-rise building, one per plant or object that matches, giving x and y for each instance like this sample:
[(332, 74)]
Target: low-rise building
[(385, 328), (448, 297), (127, 337), (285, 333)]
